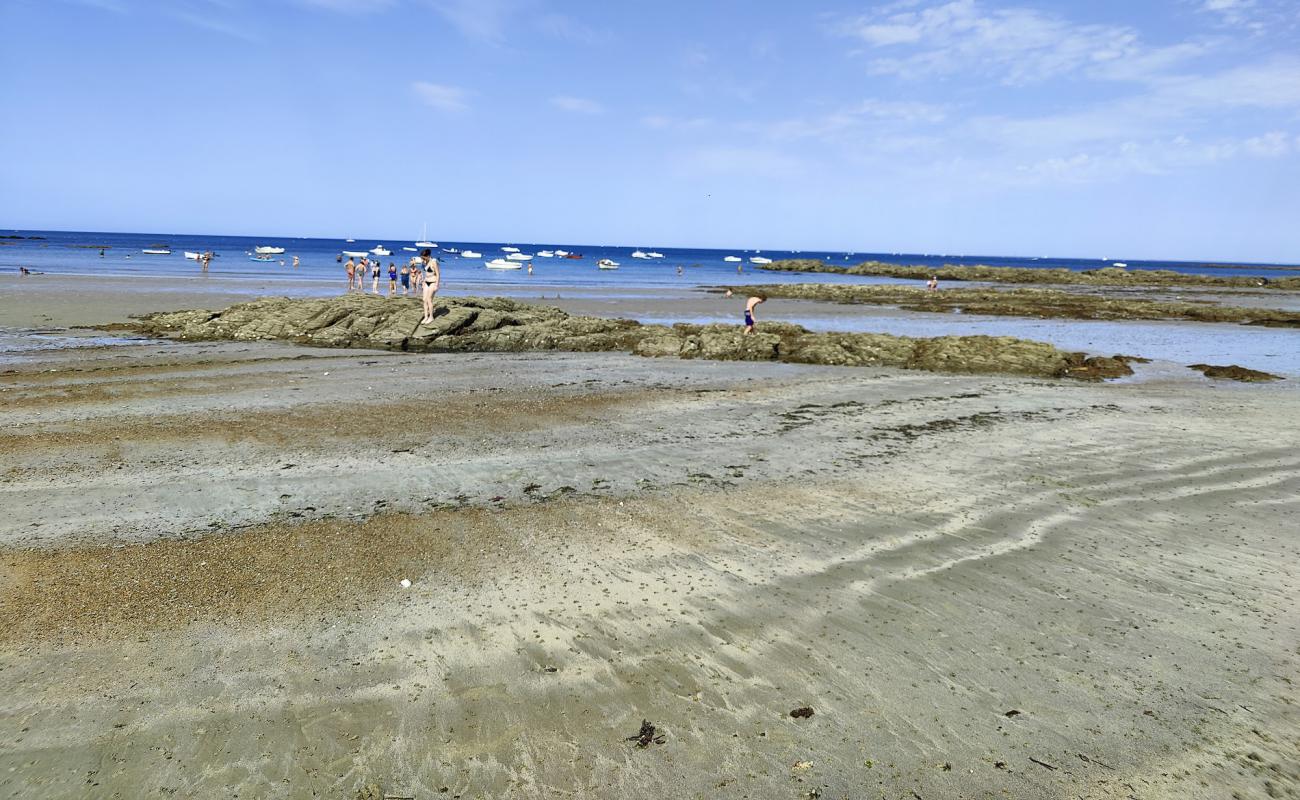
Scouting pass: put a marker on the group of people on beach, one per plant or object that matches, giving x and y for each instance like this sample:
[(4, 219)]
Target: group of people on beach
[(424, 275), (421, 274)]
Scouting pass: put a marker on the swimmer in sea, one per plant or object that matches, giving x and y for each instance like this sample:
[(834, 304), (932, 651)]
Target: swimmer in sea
[(749, 312)]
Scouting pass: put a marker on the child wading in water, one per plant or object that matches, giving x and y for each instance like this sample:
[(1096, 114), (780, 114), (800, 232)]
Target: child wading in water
[(432, 277)]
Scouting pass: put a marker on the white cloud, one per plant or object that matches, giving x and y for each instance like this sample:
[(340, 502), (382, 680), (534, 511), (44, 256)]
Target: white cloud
[(1234, 13), (1274, 144), (1017, 45), (577, 105), (450, 99), (1150, 157)]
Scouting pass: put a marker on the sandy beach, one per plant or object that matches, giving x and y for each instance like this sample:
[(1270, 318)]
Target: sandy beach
[(982, 586)]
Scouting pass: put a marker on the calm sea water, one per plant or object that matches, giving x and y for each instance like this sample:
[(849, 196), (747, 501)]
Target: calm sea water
[(72, 252)]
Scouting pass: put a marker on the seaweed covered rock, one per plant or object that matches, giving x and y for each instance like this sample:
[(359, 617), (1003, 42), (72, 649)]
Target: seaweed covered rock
[(1232, 372), (474, 324), (1105, 276), (1034, 303)]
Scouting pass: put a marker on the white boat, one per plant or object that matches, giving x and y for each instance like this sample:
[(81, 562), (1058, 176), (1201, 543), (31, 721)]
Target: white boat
[(451, 250), (355, 253), (429, 245), (193, 256), (520, 256), (501, 263), (639, 254), (561, 253), (268, 251), (378, 250), (733, 259), (653, 254), (470, 254), (510, 249), (605, 263), (411, 249), (424, 238), (546, 254), (156, 251), (1119, 264), (350, 240), (760, 260)]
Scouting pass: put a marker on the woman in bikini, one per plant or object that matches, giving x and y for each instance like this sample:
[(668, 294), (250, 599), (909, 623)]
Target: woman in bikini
[(432, 277)]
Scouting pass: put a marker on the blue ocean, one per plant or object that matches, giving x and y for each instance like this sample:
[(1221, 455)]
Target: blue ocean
[(122, 254)]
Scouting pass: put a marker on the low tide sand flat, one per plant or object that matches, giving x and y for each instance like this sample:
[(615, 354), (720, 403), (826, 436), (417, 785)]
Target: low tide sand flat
[(981, 584)]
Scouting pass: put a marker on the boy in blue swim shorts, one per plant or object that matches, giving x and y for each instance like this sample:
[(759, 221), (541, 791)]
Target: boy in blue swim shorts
[(749, 313)]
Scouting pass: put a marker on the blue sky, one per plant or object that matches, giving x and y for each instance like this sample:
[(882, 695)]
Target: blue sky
[(1153, 129)]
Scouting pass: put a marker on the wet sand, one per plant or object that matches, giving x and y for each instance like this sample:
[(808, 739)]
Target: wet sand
[(983, 587)]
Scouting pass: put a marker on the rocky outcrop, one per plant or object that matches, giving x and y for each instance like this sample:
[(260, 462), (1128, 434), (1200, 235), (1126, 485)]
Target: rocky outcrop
[(1037, 303), (1233, 372), (501, 325), (1106, 276)]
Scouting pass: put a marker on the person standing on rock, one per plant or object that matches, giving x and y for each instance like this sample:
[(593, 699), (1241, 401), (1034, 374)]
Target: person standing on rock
[(432, 277), (749, 312)]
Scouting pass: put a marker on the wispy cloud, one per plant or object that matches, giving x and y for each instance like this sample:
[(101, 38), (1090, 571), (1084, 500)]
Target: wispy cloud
[(852, 120), (759, 162), (214, 16), (1245, 14), (1151, 157), (667, 122), (449, 99), (577, 105), (1018, 46), (115, 6), (483, 20), (566, 28)]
